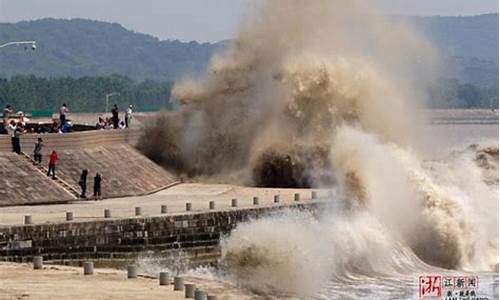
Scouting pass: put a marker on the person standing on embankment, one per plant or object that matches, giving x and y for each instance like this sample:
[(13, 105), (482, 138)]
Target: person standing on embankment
[(83, 183), (38, 150), (11, 130), (7, 111), (52, 164), (63, 111), (115, 118), (128, 116), (97, 186), (15, 132)]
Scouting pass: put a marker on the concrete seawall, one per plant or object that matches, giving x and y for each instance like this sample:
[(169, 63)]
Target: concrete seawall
[(126, 238), (72, 141)]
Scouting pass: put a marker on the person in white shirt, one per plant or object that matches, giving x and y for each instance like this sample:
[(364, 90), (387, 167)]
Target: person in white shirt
[(7, 111), (22, 118), (62, 114), (128, 116), (11, 130)]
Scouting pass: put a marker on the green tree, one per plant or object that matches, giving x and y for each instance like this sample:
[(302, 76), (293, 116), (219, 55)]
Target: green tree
[(85, 94)]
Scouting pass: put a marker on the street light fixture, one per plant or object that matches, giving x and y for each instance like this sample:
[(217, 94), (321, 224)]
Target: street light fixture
[(107, 99), (32, 43)]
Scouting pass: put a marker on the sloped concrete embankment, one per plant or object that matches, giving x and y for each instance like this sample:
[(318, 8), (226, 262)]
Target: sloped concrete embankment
[(21, 183), (124, 170)]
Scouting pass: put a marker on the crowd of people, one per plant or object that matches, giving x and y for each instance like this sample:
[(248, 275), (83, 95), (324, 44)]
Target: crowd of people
[(16, 127), (51, 170), (63, 124), (114, 122)]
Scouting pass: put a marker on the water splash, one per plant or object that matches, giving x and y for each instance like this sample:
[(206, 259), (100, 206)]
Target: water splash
[(306, 75)]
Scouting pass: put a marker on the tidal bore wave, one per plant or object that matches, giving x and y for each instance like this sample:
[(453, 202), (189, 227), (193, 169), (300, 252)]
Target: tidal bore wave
[(294, 254), (325, 94)]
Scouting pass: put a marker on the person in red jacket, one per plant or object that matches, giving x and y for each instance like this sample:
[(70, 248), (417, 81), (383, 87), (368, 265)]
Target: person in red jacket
[(52, 164)]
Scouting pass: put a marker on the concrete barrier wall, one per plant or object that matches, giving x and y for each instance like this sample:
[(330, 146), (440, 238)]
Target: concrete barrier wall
[(91, 118), (102, 239), (73, 140)]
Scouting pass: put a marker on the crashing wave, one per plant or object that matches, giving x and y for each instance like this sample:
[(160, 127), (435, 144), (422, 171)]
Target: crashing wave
[(323, 93)]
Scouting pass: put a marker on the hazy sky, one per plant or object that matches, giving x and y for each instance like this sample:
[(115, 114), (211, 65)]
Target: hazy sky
[(202, 20)]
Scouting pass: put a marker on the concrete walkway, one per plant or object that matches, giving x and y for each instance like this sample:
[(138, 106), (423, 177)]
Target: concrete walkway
[(20, 281), (175, 198)]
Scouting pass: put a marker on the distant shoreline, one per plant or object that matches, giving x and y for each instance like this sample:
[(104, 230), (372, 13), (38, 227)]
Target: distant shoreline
[(462, 116), (463, 122), (435, 116)]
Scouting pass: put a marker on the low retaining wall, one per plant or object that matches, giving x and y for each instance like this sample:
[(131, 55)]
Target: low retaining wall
[(73, 140), (120, 238)]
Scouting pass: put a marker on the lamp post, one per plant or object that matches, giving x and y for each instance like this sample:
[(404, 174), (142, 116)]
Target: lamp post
[(32, 43), (107, 99)]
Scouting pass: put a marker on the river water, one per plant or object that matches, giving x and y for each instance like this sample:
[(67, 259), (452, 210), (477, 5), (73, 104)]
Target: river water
[(348, 254), (442, 140)]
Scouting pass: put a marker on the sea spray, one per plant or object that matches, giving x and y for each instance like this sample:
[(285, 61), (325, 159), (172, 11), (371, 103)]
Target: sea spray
[(295, 254), (404, 197), (175, 262), (307, 75), (470, 177), (278, 255), (406, 220), (295, 72)]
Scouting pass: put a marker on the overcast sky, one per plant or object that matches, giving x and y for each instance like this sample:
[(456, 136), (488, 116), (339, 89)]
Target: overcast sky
[(202, 20)]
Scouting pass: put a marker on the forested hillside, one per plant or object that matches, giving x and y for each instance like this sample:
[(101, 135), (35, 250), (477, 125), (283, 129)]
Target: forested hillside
[(84, 94), (468, 45), (76, 61), (80, 48)]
